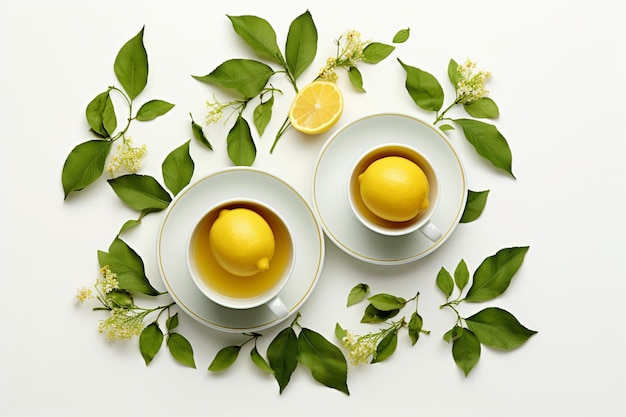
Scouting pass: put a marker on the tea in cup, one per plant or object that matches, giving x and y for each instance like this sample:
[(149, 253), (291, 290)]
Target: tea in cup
[(393, 190), (240, 255)]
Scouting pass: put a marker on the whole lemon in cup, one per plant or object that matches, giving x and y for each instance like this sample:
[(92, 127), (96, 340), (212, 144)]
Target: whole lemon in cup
[(394, 188), (242, 242)]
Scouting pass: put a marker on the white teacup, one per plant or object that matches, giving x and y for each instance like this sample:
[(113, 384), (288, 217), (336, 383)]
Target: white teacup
[(422, 221), (233, 291)]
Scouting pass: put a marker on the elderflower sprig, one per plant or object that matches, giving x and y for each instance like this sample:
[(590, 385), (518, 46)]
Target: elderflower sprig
[(350, 51), (472, 95), (88, 160), (377, 346), (127, 320)]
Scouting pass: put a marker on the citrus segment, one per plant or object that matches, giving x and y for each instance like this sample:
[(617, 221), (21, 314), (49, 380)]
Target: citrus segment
[(394, 188), (316, 108), (242, 242)]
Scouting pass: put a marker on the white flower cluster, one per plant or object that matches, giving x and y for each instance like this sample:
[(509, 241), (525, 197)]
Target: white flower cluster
[(360, 348), (127, 157), (471, 85)]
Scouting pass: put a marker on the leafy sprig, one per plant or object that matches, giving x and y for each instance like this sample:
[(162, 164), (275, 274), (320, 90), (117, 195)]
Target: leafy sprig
[(471, 94), (309, 348), (381, 308), (492, 326), (86, 161)]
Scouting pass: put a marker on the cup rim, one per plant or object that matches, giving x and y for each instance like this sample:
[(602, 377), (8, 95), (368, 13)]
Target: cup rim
[(412, 225), (234, 302)]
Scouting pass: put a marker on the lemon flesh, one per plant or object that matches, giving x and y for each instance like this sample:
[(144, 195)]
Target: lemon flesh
[(316, 108), (242, 242), (394, 189)]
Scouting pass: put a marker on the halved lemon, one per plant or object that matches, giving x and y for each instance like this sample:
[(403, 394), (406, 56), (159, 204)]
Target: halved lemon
[(316, 108)]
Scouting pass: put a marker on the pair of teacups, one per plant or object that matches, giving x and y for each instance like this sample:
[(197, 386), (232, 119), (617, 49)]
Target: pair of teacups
[(282, 272)]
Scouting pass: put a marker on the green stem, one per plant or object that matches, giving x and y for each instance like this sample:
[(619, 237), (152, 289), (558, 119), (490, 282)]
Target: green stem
[(130, 113), (281, 131)]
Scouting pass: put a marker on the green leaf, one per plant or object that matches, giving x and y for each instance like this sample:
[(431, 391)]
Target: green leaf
[(259, 35), (181, 349), (453, 73), (100, 115), (445, 282), (373, 315), (494, 274), (488, 142), (387, 302), (153, 109), (476, 201), (131, 66), (239, 143), (466, 350), (150, 341), (109, 120), (453, 334), (129, 224), (357, 294), (325, 360), (140, 192), (246, 76), (260, 361), (461, 275), (198, 134), (375, 52), (483, 108), (301, 45), (172, 322), (340, 332), (402, 35), (224, 358), (282, 354), (263, 115), (423, 88), (356, 79), (498, 328), (119, 298), (446, 127), (416, 323), (386, 347), (129, 267), (84, 164), (178, 168)]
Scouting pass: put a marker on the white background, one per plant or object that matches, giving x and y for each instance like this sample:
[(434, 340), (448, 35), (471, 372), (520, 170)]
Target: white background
[(558, 78)]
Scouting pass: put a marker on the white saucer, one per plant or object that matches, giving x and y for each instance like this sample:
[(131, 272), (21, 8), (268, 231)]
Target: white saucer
[(332, 170), (231, 183)]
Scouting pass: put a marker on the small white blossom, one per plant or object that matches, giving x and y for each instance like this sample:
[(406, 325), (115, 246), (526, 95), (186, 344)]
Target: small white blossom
[(360, 348), (109, 280), (350, 49), (216, 110), (471, 85), (122, 324), (84, 293), (127, 157)]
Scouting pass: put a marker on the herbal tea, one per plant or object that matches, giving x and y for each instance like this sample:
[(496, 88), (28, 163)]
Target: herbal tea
[(235, 286)]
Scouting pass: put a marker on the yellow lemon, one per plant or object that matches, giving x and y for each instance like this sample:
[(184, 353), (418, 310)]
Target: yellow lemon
[(316, 108), (242, 242), (394, 188)]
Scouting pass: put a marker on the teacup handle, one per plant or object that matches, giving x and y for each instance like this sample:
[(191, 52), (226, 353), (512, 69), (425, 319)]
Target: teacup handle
[(277, 307), (431, 231)]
